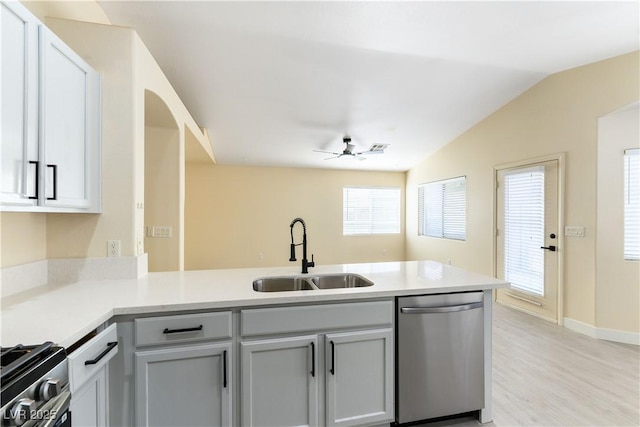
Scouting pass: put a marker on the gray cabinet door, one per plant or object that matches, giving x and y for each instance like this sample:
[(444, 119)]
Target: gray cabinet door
[(89, 403), (359, 377), (279, 382), (184, 386)]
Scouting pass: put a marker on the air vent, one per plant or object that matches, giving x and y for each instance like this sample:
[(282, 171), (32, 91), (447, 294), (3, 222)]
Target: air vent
[(378, 147)]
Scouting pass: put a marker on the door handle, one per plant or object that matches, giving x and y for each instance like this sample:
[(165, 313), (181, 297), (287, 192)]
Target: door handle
[(333, 358), (313, 359), (549, 248), (224, 369), (35, 196), (55, 182)]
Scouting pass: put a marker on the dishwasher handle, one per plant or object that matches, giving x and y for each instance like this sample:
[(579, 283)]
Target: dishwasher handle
[(441, 309)]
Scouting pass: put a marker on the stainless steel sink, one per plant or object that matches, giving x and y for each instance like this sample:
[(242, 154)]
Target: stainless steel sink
[(308, 283), (282, 284), (343, 280)]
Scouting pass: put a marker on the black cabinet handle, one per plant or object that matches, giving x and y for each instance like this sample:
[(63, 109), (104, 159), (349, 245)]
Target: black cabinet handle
[(110, 346), (224, 369), (333, 358), (35, 162), (55, 182), (313, 359), (549, 248), (177, 331)]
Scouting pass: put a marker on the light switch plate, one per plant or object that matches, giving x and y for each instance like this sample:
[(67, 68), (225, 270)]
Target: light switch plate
[(574, 231)]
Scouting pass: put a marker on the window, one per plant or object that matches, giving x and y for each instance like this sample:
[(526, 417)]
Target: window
[(524, 209), (371, 210), (443, 209), (632, 204)]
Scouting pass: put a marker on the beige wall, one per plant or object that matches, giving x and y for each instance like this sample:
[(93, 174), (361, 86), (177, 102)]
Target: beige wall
[(617, 289), (161, 196), (234, 214), (560, 114)]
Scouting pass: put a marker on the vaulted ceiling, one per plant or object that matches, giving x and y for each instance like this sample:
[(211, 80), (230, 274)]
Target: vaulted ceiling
[(273, 81)]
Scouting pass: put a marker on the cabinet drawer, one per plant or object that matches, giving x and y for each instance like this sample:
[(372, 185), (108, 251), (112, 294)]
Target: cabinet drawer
[(264, 321), (89, 359), (181, 329)]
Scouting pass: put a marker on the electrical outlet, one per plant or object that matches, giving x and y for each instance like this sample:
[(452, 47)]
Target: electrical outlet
[(113, 248), (140, 247)]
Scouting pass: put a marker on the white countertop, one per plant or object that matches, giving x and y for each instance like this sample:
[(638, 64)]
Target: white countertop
[(64, 314)]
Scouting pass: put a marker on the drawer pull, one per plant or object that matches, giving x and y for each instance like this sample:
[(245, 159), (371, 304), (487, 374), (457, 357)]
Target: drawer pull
[(110, 346), (178, 331)]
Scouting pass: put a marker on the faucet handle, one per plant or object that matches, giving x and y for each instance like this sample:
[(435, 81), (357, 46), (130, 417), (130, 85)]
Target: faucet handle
[(312, 263)]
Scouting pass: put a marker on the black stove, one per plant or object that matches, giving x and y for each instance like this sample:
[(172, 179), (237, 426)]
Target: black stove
[(34, 386)]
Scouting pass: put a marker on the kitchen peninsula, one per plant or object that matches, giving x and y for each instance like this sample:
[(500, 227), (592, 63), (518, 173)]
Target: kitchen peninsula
[(235, 325)]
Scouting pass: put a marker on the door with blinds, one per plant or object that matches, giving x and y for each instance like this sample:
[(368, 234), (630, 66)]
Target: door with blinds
[(527, 237)]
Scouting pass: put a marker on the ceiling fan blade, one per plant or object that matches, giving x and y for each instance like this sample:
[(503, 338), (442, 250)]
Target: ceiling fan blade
[(360, 157), (334, 157), (327, 152), (367, 153)]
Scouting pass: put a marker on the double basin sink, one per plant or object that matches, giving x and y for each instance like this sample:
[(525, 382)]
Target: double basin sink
[(309, 283)]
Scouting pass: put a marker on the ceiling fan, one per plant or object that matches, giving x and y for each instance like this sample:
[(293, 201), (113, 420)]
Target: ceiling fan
[(349, 150)]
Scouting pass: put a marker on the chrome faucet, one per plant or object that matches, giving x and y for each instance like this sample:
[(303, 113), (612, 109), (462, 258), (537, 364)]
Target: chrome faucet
[(305, 263)]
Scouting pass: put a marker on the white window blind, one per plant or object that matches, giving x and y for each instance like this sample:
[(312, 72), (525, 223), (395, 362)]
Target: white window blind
[(524, 229), (371, 210), (442, 209), (632, 204)]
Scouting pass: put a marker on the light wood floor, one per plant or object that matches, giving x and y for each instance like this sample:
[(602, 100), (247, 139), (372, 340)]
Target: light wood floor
[(547, 375)]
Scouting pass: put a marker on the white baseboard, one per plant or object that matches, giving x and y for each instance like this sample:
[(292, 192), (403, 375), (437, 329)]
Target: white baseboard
[(602, 333), (24, 277)]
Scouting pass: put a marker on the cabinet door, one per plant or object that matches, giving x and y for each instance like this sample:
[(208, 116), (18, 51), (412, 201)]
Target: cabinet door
[(19, 108), (69, 124), (184, 386), (359, 377), (279, 382), (89, 403)]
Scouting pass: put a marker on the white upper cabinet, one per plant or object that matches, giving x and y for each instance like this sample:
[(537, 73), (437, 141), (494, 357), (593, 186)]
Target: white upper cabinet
[(19, 108), (50, 120)]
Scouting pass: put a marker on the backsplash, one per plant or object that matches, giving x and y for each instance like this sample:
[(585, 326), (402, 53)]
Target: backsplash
[(21, 278)]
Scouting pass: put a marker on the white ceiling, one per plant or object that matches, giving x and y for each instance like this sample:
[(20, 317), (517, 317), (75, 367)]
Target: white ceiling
[(273, 81)]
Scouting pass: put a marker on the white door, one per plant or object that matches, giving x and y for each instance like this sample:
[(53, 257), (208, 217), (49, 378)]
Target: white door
[(19, 108), (280, 382), (359, 377), (527, 237)]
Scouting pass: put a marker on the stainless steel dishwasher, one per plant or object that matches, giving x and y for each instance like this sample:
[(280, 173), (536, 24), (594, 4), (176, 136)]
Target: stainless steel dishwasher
[(440, 360)]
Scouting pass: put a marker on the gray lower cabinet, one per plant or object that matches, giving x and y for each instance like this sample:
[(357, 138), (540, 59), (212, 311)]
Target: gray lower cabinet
[(184, 386), (280, 382), (88, 379), (89, 403), (325, 364), (359, 377)]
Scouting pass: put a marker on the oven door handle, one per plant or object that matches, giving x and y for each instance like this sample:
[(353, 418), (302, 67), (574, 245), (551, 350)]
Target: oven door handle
[(54, 409)]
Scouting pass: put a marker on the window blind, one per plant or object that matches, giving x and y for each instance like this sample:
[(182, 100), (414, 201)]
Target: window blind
[(524, 229), (442, 207), (632, 204), (371, 210)]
